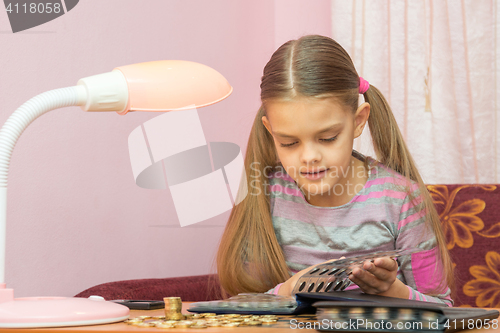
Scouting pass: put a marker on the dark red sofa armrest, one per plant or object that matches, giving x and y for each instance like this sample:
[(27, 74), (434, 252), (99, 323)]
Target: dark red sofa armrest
[(188, 288)]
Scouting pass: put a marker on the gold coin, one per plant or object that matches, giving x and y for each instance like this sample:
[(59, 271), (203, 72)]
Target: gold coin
[(381, 313), (270, 316), (429, 316), (233, 315), (254, 323), (137, 323), (172, 303), (184, 324), (209, 314), (236, 320), (173, 306), (355, 313), (358, 310), (172, 310), (165, 325), (199, 326), (174, 316), (405, 314), (214, 324), (231, 325), (158, 317), (172, 299), (144, 317)]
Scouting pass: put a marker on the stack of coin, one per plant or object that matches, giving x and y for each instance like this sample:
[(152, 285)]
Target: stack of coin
[(204, 320), (173, 307)]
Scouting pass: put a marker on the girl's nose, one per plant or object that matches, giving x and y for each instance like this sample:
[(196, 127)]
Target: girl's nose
[(310, 154)]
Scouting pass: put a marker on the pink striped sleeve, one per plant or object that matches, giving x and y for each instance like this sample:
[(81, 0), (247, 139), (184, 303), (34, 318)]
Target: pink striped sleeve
[(410, 289), (275, 290), (418, 296)]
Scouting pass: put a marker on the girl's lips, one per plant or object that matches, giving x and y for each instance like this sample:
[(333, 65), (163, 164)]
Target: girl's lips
[(315, 175)]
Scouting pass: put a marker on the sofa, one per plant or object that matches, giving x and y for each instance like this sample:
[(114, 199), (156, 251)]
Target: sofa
[(472, 229)]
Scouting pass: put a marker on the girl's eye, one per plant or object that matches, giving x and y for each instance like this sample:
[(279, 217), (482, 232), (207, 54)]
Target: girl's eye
[(330, 139), (284, 145), (287, 144)]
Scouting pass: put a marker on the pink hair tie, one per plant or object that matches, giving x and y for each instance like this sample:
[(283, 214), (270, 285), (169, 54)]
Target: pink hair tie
[(363, 85)]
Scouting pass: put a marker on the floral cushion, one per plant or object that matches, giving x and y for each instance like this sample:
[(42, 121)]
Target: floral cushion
[(471, 224)]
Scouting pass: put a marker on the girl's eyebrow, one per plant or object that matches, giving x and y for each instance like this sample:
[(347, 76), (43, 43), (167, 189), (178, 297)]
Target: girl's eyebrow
[(328, 129), (334, 127)]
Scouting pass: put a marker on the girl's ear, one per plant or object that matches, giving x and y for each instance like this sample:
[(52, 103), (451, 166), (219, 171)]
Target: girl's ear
[(360, 118)]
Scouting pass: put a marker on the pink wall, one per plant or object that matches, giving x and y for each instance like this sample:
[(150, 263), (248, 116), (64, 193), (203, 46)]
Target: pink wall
[(75, 216)]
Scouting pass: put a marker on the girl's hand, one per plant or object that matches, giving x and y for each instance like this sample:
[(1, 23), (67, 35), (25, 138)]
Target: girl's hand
[(379, 277), (287, 286)]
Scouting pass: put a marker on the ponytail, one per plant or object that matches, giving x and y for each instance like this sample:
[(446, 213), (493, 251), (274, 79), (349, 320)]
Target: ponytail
[(392, 151), (250, 258)]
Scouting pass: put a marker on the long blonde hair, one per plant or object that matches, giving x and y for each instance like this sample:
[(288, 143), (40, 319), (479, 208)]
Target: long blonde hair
[(250, 258)]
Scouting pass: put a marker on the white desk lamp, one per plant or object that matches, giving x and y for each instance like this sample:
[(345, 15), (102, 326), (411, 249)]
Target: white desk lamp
[(152, 86)]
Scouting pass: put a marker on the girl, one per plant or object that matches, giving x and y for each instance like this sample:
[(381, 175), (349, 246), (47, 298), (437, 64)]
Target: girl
[(312, 198)]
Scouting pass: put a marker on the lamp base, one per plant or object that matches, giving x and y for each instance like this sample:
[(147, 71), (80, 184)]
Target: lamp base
[(31, 312)]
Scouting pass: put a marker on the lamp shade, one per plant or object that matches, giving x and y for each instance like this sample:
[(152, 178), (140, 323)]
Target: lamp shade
[(168, 85)]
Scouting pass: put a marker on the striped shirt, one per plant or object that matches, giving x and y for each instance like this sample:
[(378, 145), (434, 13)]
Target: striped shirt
[(380, 217)]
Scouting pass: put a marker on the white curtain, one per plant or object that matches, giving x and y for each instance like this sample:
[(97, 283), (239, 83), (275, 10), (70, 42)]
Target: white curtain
[(436, 63)]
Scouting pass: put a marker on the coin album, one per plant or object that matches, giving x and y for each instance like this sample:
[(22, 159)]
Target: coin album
[(355, 311), (345, 311), (378, 317), (324, 278), (249, 303)]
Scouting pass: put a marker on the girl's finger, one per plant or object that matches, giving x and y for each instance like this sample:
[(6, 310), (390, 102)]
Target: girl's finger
[(386, 262), (378, 272), (365, 277), (362, 284)]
